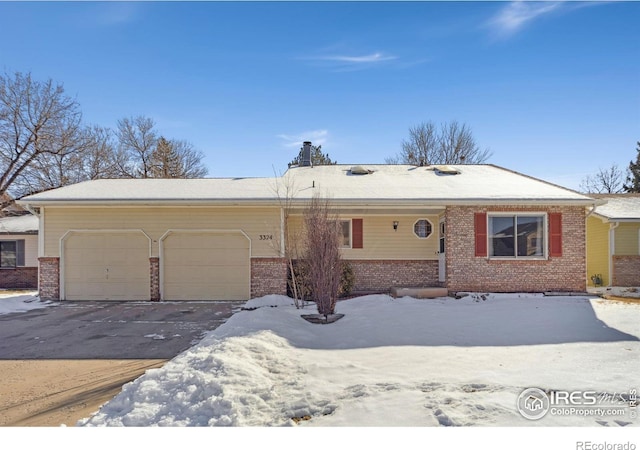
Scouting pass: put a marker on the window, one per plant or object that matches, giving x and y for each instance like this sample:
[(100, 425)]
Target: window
[(422, 228), (517, 236), (11, 254), (345, 230)]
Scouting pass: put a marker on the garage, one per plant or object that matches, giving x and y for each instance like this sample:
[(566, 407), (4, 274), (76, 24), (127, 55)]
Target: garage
[(112, 265), (206, 265)]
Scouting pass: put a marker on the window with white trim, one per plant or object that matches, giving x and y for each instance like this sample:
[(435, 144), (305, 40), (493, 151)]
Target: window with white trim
[(422, 228), (517, 235), (11, 254), (345, 233)]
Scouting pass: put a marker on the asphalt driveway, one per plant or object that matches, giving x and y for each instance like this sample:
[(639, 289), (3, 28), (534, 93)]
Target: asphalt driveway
[(60, 364), (110, 330)]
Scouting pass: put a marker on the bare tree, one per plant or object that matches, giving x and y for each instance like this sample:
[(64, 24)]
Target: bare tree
[(322, 255), (605, 181), (143, 154), (136, 140), (452, 143), (286, 242), (102, 159), (37, 120)]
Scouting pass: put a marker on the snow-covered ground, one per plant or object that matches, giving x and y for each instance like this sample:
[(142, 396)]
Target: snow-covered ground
[(20, 301), (392, 363)]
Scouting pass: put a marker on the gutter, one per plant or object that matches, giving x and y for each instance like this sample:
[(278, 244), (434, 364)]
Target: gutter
[(364, 202), (596, 203)]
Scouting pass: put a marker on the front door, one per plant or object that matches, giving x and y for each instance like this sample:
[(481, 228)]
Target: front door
[(441, 253)]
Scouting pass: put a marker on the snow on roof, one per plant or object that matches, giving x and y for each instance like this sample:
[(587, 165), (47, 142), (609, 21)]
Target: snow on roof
[(385, 184), (27, 223), (157, 189), (619, 206)]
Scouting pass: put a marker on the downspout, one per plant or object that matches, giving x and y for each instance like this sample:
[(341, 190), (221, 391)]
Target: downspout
[(282, 233), (612, 246), (32, 210), (586, 238)]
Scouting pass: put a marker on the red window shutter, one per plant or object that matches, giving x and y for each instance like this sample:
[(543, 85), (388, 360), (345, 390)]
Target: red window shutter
[(555, 234), (356, 233), (481, 233)]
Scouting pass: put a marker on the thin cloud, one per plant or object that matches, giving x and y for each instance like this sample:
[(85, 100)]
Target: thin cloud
[(317, 137), (516, 15), (347, 63), (373, 58)]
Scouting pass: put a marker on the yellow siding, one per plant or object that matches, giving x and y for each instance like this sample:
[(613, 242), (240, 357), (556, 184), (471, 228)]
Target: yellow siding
[(30, 247), (597, 250), (626, 239), (262, 225), (380, 241)]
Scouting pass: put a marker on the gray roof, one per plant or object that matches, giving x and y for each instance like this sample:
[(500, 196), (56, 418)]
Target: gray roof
[(619, 207), (386, 184), (25, 224)]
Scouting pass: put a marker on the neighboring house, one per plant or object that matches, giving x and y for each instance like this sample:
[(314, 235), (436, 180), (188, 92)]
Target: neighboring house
[(468, 228), (19, 252), (613, 241)]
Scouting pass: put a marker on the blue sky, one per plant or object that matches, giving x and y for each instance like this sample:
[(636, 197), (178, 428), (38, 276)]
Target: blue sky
[(552, 89)]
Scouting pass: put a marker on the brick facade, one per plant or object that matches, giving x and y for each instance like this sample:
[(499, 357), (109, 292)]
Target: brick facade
[(19, 278), (268, 276), (466, 272), (154, 278), (626, 271), (49, 283), (382, 275)]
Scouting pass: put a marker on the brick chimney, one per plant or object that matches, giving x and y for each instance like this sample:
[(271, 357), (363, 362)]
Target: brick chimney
[(306, 154)]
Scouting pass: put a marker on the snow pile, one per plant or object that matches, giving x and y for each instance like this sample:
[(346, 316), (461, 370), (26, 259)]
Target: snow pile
[(11, 303), (391, 362)]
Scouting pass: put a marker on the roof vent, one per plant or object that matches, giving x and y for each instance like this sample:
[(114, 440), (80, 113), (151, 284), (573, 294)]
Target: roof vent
[(446, 170), (359, 170)]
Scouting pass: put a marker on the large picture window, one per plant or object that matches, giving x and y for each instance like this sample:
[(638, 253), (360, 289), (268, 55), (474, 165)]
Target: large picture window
[(517, 236)]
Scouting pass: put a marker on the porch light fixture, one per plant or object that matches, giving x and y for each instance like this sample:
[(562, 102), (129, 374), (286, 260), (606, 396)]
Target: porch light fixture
[(395, 225)]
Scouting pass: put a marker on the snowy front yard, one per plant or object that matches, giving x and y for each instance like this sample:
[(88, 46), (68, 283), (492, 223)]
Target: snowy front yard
[(395, 362)]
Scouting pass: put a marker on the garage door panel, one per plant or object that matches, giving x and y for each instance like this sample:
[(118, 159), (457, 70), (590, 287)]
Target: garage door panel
[(106, 266), (206, 266)]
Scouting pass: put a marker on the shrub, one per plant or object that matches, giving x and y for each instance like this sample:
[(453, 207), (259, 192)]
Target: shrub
[(347, 280)]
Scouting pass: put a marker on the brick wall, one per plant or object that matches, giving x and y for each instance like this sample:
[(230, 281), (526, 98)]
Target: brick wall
[(49, 282), (19, 278), (382, 275), (466, 272), (154, 278), (626, 270), (268, 276)]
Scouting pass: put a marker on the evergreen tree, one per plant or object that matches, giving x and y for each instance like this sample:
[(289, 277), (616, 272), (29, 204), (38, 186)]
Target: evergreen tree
[(633, 180), (175, 159), (165, 162), (317, 157)]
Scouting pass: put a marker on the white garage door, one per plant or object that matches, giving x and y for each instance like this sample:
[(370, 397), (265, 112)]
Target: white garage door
[(206, 266), (106, 266)]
